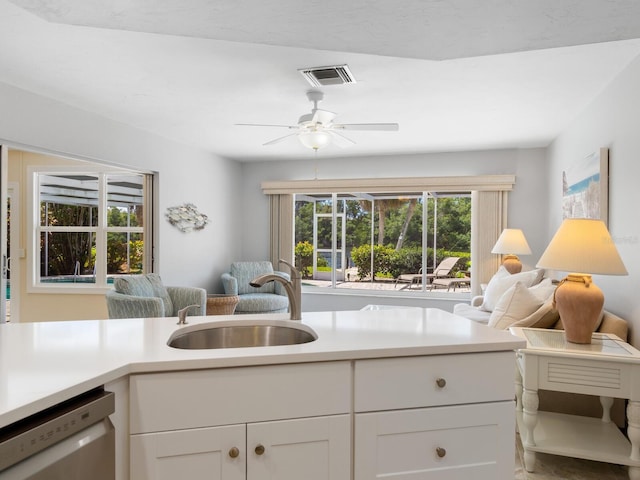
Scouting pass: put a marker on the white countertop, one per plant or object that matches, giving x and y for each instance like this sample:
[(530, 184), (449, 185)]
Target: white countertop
[(44, 363)]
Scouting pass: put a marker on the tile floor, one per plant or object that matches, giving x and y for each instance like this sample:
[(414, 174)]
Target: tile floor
[(554, 467)]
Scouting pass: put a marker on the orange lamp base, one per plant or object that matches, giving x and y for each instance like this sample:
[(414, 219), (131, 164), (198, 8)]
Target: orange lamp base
[(512, 264), (579, 302)]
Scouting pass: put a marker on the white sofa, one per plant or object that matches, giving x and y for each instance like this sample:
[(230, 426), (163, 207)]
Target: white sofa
[(526, 300)]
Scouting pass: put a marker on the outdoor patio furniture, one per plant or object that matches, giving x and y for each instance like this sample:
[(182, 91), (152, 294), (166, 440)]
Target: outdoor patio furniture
[(409, 278), (443, 270), (145, 296), (270, 298), (451, 283)]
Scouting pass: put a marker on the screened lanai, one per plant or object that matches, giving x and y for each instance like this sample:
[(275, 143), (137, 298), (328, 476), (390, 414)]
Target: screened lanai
[(368, 240)]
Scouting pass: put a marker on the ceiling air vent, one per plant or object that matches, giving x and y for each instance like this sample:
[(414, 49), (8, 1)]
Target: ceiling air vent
[(323, 76)]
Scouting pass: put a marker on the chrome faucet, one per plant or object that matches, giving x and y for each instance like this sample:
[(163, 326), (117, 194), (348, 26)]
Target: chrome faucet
[(293, 288), (182, 314)]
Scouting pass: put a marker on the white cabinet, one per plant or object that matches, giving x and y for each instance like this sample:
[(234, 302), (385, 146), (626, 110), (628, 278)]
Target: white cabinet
[(275, 422), (225, 396), (199, 453), (436, 417), (457, 418), (468, 441), (409, 382), (309, 448)]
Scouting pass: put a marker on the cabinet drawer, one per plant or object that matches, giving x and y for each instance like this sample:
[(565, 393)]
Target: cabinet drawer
[(387, 384), (202, 398), (467, 441), (590, 377)]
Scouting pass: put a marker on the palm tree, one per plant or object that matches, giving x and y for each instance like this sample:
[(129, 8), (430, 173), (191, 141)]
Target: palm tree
[(411, 208), (383, 206)]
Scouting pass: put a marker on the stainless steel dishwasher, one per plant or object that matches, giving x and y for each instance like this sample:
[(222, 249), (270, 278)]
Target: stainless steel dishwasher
[(74, 440)]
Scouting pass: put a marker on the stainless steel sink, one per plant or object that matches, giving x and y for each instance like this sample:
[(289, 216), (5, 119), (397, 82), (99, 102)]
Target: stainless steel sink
[(242, 333)]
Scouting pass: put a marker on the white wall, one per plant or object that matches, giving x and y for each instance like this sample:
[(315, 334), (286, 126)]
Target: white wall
[(527, 202), (610, 121), (185, 174)]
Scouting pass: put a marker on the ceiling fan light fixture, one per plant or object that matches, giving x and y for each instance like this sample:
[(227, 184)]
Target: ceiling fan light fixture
[(317, 129), (314, 139)]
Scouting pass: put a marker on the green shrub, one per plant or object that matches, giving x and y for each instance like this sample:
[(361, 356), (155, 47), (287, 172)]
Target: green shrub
[(322, 263), (387, 262), (382, 255), (303, 252), (406, 260)]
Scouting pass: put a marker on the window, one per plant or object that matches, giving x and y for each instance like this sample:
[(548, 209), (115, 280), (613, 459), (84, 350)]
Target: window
[(385, 241), (88, 227), (484, 195)]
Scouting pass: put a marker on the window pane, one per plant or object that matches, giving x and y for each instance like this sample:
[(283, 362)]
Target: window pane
[(125, 253), (68, 200), (405, 227), (73, 226), (67, 257), (324, 232), (323, 242), (125, 197), (357, 239), (383, 241), (303, 220), (323, 205)]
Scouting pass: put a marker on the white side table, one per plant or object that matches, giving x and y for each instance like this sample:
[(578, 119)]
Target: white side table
[(608, 368)]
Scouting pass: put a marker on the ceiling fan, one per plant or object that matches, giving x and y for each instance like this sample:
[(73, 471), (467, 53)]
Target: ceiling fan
[(317, 129)]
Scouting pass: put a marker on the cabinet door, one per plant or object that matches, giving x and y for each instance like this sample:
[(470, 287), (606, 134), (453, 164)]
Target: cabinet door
[(469, 441), (309, 448), (199, 453)]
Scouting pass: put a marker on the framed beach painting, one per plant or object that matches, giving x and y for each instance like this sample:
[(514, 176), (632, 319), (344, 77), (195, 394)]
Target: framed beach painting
[(585, 187)]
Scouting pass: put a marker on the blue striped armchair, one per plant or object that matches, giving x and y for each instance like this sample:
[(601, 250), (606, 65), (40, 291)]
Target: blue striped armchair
[(270, 298), (143, 296)]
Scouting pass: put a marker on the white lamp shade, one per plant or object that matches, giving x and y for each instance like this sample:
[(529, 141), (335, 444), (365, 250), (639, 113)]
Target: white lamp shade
[(314, 139), (584, 246), (512, 240)]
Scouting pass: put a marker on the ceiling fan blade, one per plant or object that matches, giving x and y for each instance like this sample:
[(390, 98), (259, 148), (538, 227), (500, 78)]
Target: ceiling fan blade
[(340, 140), (324, 117), (279, 139), (391, 127), (265, 125)]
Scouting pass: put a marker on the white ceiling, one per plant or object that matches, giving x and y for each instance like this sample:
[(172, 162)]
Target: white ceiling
[(456, 75)]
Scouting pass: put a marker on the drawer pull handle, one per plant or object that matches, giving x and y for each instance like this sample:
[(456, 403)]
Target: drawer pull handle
[(234, 452), (259, 450), (441, 452), (441, 382)]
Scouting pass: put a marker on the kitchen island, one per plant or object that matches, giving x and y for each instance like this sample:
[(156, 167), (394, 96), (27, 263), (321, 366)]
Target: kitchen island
[(412, 366)]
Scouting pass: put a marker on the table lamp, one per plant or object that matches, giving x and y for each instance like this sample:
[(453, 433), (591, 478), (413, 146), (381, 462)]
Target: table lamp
[(581, 245), (510, 243)]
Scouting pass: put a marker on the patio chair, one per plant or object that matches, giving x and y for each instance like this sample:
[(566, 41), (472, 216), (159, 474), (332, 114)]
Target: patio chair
[(443, 270), (451, 282), (270, 298), (145, 296)]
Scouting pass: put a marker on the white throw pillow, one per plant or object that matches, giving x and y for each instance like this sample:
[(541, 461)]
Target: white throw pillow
[(544, 289), (503, 280), (544, 317), (514, 305)]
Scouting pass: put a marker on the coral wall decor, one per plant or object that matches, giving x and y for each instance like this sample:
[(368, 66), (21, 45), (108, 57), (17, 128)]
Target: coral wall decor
[(186, 217)]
